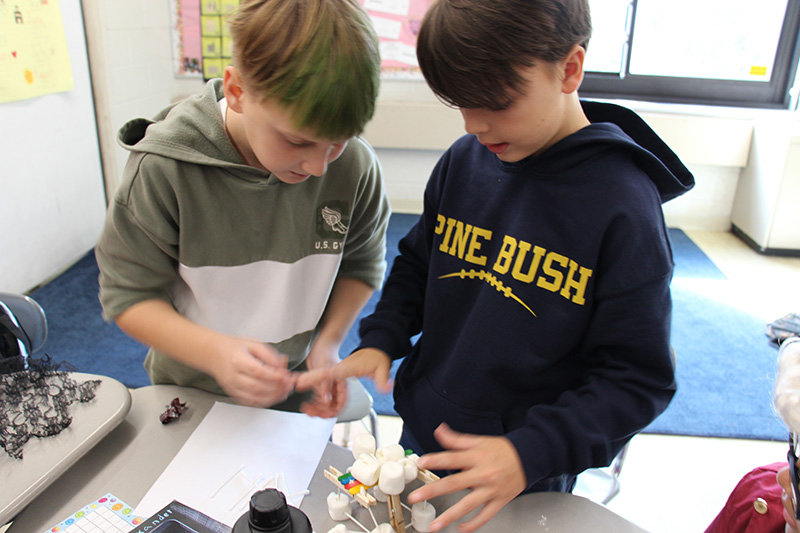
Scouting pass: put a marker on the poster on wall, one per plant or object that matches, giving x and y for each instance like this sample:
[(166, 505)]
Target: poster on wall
[(397, 24), (34, 59), (201, 41), (202, 47)]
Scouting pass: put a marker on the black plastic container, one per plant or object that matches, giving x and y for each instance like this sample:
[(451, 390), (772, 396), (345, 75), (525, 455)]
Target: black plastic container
[(269, 513)]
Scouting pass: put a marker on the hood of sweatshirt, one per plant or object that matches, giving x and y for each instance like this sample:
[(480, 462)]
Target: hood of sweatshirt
[(615, 127), (191, 130)]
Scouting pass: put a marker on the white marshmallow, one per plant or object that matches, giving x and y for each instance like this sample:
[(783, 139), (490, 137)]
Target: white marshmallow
[(338, 506), (410, 469), (393, 452), (392, 478), (338, 528), (366, 469), (422, 514), (379, 495), (363, 443), (383, 528)]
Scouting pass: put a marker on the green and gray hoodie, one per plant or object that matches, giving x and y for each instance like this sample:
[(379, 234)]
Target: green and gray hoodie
[(231, 247)]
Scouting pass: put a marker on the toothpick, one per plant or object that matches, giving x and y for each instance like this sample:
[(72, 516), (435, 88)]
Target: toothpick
[(246, 493), (241, 467), (373, 516), (359, 524)]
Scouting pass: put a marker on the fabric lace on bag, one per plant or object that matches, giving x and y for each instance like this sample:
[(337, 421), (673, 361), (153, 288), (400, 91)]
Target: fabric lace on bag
[(35, 403)]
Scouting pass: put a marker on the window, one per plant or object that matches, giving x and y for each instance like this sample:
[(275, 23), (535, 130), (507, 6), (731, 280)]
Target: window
[(736, 53)]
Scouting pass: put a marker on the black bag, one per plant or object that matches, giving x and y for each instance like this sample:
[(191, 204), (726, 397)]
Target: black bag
[(15, 345)]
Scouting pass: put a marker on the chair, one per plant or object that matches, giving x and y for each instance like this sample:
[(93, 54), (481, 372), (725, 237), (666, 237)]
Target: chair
[(26, 314), (602, 484), (359, 406)]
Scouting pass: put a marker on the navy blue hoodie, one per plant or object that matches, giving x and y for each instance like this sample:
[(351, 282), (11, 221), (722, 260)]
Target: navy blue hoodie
[(541, 289)]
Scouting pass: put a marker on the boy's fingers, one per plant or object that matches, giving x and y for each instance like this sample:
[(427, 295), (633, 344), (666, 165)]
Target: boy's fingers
[(268, 356), (453, 440), (310, 379)]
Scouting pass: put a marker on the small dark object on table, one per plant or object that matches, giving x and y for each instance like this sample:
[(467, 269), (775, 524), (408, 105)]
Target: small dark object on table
[(174, 411)]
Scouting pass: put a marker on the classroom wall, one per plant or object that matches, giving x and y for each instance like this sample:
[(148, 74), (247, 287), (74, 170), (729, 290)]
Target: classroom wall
[(51, 185), (129, 49)]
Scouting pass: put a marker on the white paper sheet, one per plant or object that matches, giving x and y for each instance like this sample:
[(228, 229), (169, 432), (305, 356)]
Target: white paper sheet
[(236, 451)]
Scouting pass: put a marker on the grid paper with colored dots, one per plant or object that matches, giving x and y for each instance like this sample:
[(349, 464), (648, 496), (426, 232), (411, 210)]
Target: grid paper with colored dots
[(108, 514)]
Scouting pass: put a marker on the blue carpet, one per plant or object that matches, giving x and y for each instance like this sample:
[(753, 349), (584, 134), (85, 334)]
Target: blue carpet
[(725, 365)]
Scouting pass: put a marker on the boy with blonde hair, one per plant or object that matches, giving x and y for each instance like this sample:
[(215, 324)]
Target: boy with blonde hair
[(248, 231), (538, 274)]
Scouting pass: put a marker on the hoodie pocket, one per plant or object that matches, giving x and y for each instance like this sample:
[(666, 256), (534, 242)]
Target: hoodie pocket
[(423, 409)]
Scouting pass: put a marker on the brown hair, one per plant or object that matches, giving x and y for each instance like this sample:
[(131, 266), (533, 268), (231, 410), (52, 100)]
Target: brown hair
[(318, 58), (470, 51)]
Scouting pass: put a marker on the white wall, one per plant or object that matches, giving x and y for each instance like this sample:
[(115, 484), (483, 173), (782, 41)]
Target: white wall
[(410, 135), (51, 185), (130, 51)]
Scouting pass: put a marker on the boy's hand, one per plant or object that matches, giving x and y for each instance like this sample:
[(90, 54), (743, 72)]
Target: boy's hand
[(329, 394), (368, 362), (253, 373), (489, 466)]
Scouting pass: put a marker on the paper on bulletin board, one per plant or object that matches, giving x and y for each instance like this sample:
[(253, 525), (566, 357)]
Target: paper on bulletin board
[(187, 50), (34, 59), (236, 451), (397, 24)]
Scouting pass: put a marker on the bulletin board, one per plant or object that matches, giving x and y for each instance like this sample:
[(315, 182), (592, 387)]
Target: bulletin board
[(200, 37), (202, 46), (397, 24)]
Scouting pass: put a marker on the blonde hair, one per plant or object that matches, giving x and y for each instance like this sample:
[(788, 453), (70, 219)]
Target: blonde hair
[(319, 58), (787, 384)]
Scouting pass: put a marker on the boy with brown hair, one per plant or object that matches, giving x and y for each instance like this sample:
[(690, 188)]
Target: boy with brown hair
[(538, 274), (248, 231)]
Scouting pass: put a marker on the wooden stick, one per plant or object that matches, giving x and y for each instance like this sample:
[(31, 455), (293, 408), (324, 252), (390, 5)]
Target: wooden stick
[(396, 519), (426, 476), (363, 497)]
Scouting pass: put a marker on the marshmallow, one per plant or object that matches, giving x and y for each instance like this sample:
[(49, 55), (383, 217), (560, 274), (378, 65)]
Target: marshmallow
[(383, 528), (422, 514), (363, 443), (366, 469), (393, 452), (409, 468), (392, 479), (338, 528), (338, 506), (379, 495)]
